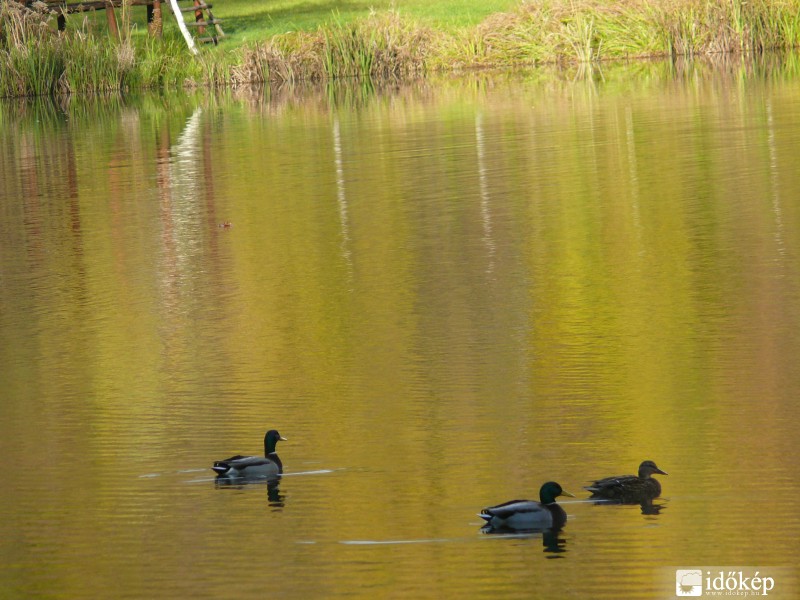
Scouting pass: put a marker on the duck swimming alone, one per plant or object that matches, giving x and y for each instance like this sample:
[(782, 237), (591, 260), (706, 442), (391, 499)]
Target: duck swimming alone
[(629, 488), (269, 465), (527, 514)]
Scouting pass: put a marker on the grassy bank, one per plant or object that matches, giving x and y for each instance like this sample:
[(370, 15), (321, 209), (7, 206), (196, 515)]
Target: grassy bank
[(385, 44)]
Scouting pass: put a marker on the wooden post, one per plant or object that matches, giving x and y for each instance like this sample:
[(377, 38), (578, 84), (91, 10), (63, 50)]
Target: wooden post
[(154, 22), (111, 17), (198, 16)]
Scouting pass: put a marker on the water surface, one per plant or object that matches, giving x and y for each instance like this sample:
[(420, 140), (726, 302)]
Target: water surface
[(443, 294)]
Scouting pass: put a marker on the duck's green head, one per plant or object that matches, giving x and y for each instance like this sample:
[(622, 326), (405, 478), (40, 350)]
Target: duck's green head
[(647, 468), (271, 440), (550, 491)]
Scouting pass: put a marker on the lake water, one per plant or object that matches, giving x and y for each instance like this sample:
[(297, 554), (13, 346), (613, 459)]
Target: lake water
[(443, 294)]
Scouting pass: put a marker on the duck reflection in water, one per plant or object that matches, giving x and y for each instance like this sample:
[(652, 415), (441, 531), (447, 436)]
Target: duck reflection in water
[(552, 541), (648, 506), (651, 508), (274, 497)]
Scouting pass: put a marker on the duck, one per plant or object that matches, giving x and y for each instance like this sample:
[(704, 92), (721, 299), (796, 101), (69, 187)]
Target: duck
[(269, 465), (629, 488), (527, 514)]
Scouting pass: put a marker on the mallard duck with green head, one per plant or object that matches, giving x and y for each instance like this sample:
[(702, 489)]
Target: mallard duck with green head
[(239, 466), (629, 488), (527, 514)]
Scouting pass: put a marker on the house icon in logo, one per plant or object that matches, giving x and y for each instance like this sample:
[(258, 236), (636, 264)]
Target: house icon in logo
[(688, 582)]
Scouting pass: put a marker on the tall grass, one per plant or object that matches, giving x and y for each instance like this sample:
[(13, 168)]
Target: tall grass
[(31, 61), (593, 30), (34, 59), (381, 45)]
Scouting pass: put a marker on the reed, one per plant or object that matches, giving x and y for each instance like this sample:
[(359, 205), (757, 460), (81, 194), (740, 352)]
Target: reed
[(381, 46), (278, 60), (527, 35), (164, 63), (30, 58), (36, 60), (90, 65)]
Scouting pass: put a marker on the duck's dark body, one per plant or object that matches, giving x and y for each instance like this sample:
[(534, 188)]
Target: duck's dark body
[(528, 514), (629, 488), (525, 514), (249, 466)]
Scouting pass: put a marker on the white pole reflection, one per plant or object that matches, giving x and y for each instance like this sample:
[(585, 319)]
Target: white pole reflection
[(483, 186), (775, 181), (633, 170), (185, 149), (341, 198)]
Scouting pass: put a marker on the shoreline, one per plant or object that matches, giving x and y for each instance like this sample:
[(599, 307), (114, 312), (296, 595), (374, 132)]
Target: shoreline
[(388, 46)]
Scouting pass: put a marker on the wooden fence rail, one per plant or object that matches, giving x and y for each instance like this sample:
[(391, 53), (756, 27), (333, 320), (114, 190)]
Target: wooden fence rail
[(202, 13)]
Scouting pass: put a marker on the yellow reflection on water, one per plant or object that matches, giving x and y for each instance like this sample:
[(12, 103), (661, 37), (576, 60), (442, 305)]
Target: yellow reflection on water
[(443, 296)]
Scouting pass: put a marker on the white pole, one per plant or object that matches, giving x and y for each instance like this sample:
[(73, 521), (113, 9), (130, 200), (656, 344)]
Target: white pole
[(182, 26)]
